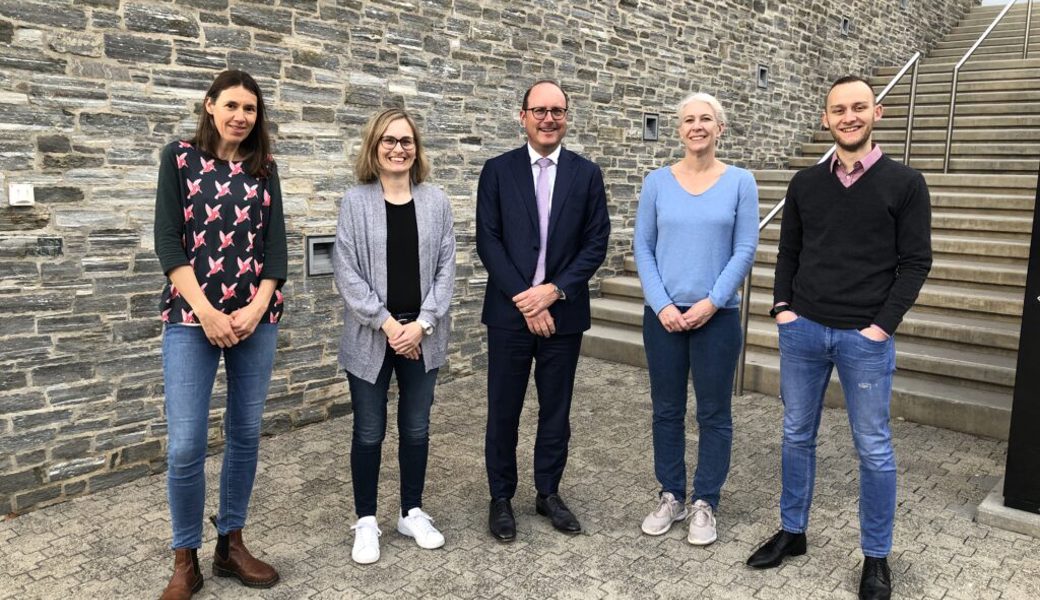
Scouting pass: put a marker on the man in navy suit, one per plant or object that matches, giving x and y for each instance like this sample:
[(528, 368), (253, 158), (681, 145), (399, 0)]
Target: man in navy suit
[(542, 229)]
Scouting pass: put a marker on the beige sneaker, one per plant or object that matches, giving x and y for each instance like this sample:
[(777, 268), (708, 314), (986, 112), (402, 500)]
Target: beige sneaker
[(669, 510), (702, 525)]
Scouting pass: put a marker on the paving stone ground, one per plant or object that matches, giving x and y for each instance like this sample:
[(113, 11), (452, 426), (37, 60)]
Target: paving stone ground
[(114, 544)]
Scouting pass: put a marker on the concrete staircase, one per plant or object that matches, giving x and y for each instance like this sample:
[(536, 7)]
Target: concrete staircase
[(956, 352)]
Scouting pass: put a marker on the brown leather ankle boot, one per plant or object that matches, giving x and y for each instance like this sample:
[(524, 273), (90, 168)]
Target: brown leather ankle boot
[(187, 577), (232, 559)]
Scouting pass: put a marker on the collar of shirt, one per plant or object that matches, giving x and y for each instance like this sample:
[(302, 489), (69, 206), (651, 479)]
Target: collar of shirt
[(553, 156), (865, 163)]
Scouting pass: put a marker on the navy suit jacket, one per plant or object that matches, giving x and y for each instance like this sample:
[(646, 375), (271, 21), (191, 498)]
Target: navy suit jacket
[(508, 240)]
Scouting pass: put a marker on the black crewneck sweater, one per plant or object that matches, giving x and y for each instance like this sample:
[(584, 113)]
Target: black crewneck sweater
[(850, 257)]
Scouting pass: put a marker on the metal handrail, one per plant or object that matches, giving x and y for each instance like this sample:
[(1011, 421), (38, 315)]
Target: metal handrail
[(1025, 38), (964, 59), (745, 300)]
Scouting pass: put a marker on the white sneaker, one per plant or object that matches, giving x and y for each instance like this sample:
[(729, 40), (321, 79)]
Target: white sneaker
[(669, 510), (702, 525), (419, 525), (366, 541)]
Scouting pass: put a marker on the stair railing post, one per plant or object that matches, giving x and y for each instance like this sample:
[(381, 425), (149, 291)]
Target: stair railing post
[(910, 116), (1025, 38), (745, 316), (949, 124)]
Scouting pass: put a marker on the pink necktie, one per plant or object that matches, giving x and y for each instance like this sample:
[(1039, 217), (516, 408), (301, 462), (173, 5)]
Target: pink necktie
[(541, 194)]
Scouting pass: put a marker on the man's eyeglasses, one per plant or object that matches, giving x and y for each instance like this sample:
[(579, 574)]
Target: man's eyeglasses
[(388, 142), (540, 112)]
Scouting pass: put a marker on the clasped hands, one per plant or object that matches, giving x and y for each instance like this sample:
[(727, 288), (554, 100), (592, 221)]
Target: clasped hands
[(404, 339), (674, 321), (225, 330), (533, 304)]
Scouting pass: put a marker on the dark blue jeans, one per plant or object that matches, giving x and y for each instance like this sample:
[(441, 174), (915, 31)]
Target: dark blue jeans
[(710, 354), (415, 385), (189, 368), (808, 353)]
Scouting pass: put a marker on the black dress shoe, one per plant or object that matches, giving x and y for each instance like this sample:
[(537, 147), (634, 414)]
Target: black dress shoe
[(562, 518), (772, 553), (876, 582), (501, 521)]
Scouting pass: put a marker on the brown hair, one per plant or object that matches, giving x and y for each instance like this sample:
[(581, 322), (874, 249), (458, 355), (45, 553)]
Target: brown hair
[(366, 168), (256, 148)]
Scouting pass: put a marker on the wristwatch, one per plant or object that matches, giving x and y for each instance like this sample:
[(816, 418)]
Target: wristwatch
[(773, 312), (427, 328), (559, 292)]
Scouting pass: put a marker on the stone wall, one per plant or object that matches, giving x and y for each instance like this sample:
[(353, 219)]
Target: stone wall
[(91, 89)]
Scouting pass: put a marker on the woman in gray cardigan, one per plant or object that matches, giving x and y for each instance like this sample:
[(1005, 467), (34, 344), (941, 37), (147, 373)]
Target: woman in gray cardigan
[(394, 264)]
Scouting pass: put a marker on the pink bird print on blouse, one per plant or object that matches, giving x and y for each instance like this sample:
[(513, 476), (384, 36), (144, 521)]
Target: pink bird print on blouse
[(207, 165), (187, 316), (223, 189), (252, 290), (251, 236), (274, 317), (278, 297), (194, 187), (174, 292), (267, 198), (229, 292), (241, 215), (212, 214), (236, 168), (226, 239), (200, 241), (250, 190), (189, 213), (215, 266), (166, 315), (257, 267), (183, 144), (182, 160), (244, 267), (203, 287)]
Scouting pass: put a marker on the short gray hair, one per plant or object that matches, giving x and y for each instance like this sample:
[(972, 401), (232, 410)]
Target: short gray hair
[(712, 101)]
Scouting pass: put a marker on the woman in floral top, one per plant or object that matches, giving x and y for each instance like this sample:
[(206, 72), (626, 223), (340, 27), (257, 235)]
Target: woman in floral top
[(220, 237)]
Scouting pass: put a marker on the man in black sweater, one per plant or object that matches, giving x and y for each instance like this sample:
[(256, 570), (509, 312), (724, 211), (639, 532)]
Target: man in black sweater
[(855, 249)]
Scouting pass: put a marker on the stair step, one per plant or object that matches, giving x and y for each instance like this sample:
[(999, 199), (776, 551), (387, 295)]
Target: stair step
[(922, 99), (1006, 184), (932, 149), (915, 398), (946, 326), (943, 87), (969, 364), (984, 204), (994, 165), (973, 136), (968, 108), (970, 72)]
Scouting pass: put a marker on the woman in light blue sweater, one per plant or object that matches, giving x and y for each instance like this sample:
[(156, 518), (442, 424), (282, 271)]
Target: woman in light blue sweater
[(695, 238)]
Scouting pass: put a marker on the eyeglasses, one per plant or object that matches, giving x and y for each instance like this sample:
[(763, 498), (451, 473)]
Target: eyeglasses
[(540, 112), (389, 142)]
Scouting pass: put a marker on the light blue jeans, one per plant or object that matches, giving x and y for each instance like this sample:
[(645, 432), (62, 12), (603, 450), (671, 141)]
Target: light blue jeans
[(189, 368), (808, 353), (710, 354)]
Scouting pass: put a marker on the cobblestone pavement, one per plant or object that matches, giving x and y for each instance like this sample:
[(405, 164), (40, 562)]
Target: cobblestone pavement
[(114, 544)]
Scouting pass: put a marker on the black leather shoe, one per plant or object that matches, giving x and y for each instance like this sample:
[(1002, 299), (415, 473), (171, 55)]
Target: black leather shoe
[(562, 518), (772, 553), (501, 521), (876, 582)]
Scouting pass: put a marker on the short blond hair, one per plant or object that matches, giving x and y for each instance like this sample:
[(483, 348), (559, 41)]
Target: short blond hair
[(366, 168), (712, 101)]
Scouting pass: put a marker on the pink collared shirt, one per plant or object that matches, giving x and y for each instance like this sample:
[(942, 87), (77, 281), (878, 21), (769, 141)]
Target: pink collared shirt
[(858, 168)]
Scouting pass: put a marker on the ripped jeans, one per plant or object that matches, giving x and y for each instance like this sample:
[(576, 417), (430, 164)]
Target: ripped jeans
[(808, 353)]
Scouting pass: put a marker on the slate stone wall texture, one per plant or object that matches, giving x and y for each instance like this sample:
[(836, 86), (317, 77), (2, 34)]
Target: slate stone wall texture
[(91, 89)]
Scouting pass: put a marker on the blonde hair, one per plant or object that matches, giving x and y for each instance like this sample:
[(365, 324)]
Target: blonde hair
[(366, 168), (712, 101)]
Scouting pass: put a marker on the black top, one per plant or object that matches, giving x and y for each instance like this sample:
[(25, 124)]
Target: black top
[(225, 223), (402, 259), (850, 257)]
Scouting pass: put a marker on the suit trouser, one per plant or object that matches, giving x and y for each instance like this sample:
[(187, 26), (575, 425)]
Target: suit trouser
[(510, 353)]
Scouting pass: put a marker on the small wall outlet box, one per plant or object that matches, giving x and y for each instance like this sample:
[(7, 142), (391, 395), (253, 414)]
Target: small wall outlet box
[(21, 194)]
